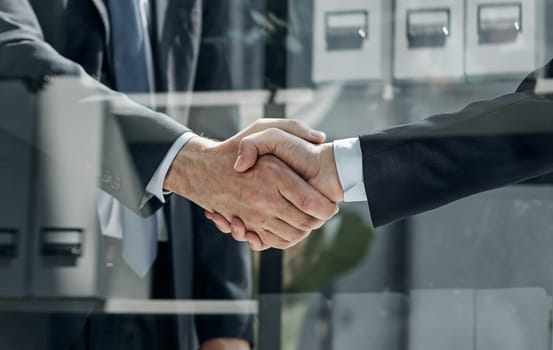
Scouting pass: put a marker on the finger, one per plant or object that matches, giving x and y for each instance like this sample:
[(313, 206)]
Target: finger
[(222, 224), (238, 229), (253, 239), (307, 200), (291, 126), (271, 239), (290, 222), (255, 242), (253, 146), (287, 232), (289, 148), (298, 236), (299, 129)]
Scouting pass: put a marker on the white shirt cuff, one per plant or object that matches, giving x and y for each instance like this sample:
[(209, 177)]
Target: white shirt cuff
[(155, 186), (349, 163)]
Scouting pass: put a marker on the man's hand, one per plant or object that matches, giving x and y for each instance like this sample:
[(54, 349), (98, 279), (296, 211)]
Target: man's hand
[(315, 163), (226, 344), (270, 198)]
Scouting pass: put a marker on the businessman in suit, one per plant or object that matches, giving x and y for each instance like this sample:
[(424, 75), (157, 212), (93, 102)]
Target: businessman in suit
[(418, 167), (164, 155), (185, 267), (82, 32)]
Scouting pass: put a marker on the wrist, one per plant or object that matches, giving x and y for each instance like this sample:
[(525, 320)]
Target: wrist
[(328, 166), (189, 166)]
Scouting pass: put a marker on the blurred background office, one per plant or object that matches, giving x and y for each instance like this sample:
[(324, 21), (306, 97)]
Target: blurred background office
[(475, 274)]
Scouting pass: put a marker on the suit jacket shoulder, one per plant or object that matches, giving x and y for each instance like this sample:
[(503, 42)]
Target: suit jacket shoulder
[(27, 56)]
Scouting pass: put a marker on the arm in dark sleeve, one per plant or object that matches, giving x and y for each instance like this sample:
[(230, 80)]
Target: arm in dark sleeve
[(222, 272), (144, 135), (489, 144)]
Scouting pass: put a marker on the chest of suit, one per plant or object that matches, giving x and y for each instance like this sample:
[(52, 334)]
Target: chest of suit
[(80, 31), (77, 30)]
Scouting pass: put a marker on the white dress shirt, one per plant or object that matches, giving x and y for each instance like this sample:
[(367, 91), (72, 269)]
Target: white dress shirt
[(349, 164), (348, 158)]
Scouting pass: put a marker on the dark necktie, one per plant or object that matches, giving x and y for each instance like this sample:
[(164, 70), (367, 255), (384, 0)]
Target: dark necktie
[(133, 73), (130, 44)]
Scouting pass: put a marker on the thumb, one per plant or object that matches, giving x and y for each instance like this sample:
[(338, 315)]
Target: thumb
[(290, 126), (289, 148), (253, 146)]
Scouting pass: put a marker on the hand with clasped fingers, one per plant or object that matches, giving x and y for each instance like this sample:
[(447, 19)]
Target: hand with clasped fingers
[(270, 198), (313, 162)]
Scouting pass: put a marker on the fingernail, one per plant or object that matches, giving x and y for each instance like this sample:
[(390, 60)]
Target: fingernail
[(238, 162), (317, 133)]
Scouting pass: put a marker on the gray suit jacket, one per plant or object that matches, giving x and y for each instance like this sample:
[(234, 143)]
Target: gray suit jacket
[(489, 144), (33, 44), (28, 53)]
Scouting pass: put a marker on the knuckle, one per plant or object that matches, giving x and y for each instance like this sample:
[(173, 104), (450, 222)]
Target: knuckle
[(273, 240), (307, 224), (306, 203), (277, 134), (235, 231), (259, 123), (319, 224), (332, 210), (271, 132), (300, 236), (246, 142), (294, 123)]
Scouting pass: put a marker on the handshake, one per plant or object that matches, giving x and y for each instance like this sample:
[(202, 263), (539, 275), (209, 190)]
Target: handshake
[(270, 185)]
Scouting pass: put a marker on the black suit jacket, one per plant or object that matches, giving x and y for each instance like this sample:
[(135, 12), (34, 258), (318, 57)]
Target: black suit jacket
[(489, 144)]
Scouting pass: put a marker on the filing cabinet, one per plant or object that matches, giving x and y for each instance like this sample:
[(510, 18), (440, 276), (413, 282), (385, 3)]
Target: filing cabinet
[(429, 40), (504, 37), (368, 321), (512, 319), (16, 130), (351, 40), (520, 217), (441, 319), (469, 319), (66, 247)]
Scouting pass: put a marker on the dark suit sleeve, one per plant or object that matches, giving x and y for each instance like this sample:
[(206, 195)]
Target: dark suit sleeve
[(489, 144), (141, 135)]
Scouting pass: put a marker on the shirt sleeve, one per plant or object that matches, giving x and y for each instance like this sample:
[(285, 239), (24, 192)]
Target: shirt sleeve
[(349, 164), (155, 186)]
